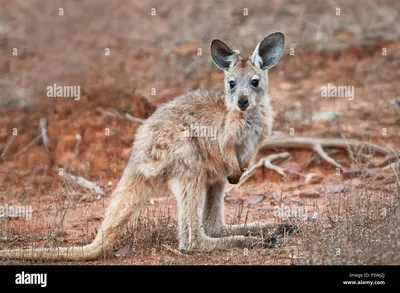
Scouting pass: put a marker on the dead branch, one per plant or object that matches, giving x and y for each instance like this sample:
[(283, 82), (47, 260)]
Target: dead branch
[(389, 160), (8, 145), (310, 176), (87, 184), (27, 146), (315, 144), (114, 112), (78, 142), (264, 162), (43, 135), (107, 112), (320, 151), (267, 163), (353, 173), (133, 119), (308, 142), (43, 132)]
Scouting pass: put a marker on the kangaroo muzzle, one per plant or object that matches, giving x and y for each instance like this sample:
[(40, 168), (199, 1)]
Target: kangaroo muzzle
[(243, 103)]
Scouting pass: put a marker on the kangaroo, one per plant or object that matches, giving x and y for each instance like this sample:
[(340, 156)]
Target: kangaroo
[(173, 149)]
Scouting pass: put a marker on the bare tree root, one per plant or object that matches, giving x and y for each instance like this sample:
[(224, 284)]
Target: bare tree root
[(315, 144), (264, 162)]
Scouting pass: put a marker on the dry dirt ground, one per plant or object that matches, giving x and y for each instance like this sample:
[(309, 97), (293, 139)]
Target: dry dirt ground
[(154, 58)]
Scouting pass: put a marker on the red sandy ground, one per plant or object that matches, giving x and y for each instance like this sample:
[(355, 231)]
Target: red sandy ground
[(31, 178)]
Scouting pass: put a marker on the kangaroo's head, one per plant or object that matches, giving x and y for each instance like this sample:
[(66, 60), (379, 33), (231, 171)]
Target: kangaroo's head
[(246, 80)]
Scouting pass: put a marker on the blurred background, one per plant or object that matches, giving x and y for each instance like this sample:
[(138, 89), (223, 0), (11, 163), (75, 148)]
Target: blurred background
[(161, 51)]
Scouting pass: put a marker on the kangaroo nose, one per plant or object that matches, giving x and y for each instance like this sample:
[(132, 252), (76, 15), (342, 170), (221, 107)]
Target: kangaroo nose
[(243, 103)]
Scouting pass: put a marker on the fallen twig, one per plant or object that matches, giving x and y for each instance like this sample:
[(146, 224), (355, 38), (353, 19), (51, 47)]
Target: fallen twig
[(27, 146), (43, 132), (133, 119), (114, 112), (78, 142), (264, 162), (43, 135), (267, 163), (320, 151), (8, 145), (353, 173), (107, 112), (310, 176), (87, 184), (308, 142), (389, 160), (315, 144)]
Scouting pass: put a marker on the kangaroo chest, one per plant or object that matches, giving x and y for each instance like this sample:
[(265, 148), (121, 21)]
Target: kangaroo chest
[(254, 130)]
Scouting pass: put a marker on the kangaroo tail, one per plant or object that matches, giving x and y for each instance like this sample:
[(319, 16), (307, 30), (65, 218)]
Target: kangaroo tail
[(127, 199)]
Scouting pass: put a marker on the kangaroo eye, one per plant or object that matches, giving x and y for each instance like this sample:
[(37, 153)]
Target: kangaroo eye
[(232, 84), (254, 82)]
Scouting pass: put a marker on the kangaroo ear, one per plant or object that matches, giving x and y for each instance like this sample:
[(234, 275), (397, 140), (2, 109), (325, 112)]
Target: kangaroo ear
[(268, 51), (223, 56)]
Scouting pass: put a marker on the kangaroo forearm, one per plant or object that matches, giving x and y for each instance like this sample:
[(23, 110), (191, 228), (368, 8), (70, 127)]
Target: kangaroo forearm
[(231, 160)]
